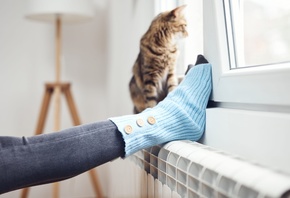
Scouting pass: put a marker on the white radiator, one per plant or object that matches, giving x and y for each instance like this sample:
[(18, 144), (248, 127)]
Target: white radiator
[(189, 169)]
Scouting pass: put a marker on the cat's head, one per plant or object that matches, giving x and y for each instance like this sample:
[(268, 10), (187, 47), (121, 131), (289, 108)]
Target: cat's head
[(174, 21)]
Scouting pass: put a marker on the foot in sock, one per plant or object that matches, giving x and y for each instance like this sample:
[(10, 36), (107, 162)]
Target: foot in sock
[(180, 116)]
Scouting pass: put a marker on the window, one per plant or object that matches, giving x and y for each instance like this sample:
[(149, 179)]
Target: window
[(253, 114), (261, 32), (225, 48)]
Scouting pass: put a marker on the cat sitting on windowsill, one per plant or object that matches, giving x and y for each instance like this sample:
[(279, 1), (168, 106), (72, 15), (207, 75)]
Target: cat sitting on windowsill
[(154, 70)]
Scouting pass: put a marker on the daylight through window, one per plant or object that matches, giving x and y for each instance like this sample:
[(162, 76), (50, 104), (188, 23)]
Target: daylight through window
[(261, 32)]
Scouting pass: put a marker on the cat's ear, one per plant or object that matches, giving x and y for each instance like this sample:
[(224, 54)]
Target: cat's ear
[(177, 11)]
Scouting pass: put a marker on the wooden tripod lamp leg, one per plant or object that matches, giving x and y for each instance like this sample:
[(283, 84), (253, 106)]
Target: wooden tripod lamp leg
[(57, 112), (40, 123), (24, 193), (71, 106), (76, 121), (55, 190), (57, 87), (57, 106), (96, 183), (44, 109)]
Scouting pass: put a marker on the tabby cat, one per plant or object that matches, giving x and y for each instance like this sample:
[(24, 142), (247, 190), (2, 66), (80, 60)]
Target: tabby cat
[(154, 70)]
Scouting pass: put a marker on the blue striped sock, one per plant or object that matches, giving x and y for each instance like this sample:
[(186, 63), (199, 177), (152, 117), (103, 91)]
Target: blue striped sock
[(180, 116)]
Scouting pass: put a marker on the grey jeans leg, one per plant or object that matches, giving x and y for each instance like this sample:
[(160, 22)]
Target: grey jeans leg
[(51, 157)]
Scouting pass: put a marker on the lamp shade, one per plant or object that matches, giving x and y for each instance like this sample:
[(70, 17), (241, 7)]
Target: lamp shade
[(69, 11)]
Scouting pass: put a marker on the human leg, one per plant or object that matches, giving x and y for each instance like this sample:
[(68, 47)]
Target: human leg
[(47, 158), (56, 156)]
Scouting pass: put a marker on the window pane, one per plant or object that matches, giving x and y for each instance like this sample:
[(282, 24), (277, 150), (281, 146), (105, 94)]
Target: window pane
[(261, 31)]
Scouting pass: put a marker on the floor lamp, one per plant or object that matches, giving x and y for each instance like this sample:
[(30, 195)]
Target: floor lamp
[(59, 12)]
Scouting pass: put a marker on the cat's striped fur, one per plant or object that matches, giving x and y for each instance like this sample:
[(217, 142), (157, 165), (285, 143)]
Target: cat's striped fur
[(154, 70)]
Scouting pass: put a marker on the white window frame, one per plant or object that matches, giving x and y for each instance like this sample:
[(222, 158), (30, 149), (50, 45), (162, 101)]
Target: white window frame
[(266, 85)]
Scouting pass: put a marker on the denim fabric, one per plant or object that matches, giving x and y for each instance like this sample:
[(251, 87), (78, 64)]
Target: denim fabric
[(51, 157)]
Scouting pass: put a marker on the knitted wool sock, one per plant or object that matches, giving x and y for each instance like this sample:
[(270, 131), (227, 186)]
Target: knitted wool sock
[(180, 116)]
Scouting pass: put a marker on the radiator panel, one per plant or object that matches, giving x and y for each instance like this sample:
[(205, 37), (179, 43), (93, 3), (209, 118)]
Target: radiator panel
[(189, 169)]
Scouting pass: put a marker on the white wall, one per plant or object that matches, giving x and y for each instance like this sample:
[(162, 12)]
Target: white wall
[(128, 20), (98, 57)]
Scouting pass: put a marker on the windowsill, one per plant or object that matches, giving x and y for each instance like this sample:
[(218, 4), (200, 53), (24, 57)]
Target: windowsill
[(258, 136)]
